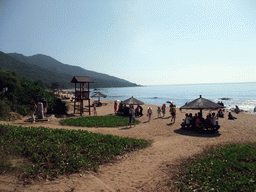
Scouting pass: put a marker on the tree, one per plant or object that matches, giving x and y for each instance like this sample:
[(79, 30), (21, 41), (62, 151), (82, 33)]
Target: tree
[(55, 85), (21, 91)]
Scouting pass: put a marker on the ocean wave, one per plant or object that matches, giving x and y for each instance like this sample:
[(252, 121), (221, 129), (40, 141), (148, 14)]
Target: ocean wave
[(116, 96), (153, 98)]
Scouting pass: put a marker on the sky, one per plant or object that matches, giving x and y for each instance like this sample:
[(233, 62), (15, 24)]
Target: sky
[(148, 42)]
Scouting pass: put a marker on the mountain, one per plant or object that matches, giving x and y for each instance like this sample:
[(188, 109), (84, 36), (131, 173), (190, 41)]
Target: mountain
[(31, 71), (48, 70)]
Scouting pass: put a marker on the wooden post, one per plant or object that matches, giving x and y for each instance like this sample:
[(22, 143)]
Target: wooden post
[(75, 100), (89, 100), (81, 104)]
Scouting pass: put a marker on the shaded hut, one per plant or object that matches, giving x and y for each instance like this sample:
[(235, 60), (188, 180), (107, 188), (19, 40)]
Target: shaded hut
[(200, 104), (99, 95), (82, 92), (132, 101)]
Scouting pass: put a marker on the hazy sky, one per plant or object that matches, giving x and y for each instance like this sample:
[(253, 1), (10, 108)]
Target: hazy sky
[(148, 42)]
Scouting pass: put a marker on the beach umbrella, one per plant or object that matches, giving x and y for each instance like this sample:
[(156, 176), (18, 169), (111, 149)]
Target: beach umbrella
[(200, 104), (132, 101), (99, 94), (169, 101)]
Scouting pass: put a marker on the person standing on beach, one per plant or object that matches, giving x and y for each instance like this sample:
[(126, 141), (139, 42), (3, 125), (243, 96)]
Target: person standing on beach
[(163, 109), (159, 111), (115, 107), (131, 115), (33, 110), (150, 112), (45, 105), (95, 110)]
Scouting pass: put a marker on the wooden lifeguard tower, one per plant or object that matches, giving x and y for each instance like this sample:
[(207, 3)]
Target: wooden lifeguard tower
[(83, 92)]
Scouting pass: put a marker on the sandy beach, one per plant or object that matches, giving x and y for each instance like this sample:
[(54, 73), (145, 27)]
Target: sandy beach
[(148, 169)]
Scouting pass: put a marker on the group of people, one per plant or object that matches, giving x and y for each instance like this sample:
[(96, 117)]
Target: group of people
[(163, 111), (138, 111), (125, 110), (220, 113), (197, 120), (38, 107), (97, 103)]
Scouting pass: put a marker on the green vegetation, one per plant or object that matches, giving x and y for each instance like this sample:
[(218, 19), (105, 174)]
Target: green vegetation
[(16, 93), (53, 73), (98, 121), (225, 168), (47, 153)]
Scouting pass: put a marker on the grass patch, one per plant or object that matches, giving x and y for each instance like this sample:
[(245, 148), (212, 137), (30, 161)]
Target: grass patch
[(225, 168), (98, 121), (7, 119), (51, 152), (4, 118)]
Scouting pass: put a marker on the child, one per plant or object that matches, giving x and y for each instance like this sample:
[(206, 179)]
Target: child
[(159, 111), (163, 109), (33, 107), (94, 111), (150, 112)]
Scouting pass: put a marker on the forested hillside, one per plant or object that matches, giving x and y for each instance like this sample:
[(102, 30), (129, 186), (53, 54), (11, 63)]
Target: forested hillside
[(48, 70)]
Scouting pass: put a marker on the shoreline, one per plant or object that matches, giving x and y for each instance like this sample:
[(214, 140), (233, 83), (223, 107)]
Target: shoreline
[(180, 94), (227, 108)]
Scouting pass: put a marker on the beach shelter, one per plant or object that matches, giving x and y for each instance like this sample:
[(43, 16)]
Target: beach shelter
[(99, 95), (200, 104), (132, 101)]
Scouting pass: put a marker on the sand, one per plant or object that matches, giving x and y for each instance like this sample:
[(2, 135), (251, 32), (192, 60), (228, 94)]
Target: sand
[(148, 169)]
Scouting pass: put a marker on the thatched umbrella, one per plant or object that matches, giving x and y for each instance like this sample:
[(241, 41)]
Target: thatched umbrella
[(99, 95), (201, 104), (132, 101)]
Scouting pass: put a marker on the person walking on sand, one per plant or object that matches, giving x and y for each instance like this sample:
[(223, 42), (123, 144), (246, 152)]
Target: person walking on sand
[(159, 111), (150, 112), (33, 110), (173, 114), (171, 106), (163, 109), (131, 115)]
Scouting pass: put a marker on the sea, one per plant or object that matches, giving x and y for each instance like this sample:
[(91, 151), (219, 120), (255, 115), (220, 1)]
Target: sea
[(230, 94)]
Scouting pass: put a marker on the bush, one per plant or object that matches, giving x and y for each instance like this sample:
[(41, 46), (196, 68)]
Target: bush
[(59, 107), (21, 91), (23, 109), (5, 108)]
